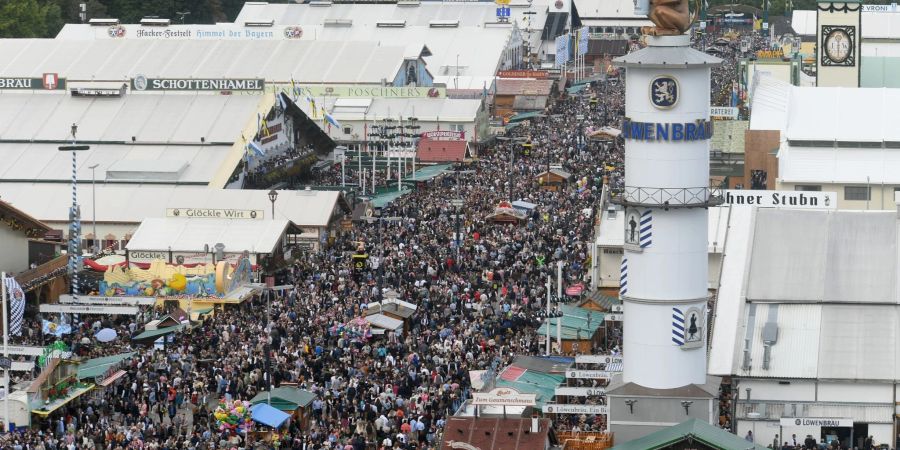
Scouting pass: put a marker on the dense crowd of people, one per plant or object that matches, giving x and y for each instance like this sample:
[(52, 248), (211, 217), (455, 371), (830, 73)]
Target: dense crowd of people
[(478, 305)]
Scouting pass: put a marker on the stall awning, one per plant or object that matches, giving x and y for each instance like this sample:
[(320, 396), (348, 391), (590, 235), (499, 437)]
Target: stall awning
[(268, 416), (112, 379), (525, 116), (149, 334), (60, 402), (95, 367)]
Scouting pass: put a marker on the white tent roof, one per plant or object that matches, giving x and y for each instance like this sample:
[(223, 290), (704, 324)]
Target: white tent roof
[(167, 148), (804, 22), (469, 14), (839, 165), (190, 235), (50, 201), (875, 25), (385, 322), (843, 114), (425, 109), (827, 279), (148, 118), (608, 9), (307, 61), (769, 102)]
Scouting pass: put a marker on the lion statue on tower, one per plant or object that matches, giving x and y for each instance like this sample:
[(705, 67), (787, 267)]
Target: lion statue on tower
[(671, 17)]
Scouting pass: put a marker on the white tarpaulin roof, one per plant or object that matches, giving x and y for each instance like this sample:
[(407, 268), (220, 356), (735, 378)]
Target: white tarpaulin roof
[(167, 132), (50, 201), (827, 279), (156, 119), (367, 61), (843, 114), (190, 235), (385, 322), (875, 25)]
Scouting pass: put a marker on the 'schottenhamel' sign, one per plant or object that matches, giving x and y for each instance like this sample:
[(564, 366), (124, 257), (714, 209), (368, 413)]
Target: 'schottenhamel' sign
[(142, 83)]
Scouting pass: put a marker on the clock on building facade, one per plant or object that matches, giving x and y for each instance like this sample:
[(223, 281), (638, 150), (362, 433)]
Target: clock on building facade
[(837, 45)]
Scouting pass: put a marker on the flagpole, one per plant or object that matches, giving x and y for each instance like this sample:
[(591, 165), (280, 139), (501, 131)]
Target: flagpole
[(5, 353)]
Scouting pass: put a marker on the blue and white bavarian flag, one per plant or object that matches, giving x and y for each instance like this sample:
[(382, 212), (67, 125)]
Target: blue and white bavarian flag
[(16, 305)]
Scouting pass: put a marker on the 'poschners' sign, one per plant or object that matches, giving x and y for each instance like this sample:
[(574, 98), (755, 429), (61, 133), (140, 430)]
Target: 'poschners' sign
[(588, 374), (555, 408), (831, 422), (141, 83), (209, 213), (782, 199)]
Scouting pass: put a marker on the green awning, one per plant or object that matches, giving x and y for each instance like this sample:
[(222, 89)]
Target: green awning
[(575, 89), (286, 398), (543, 385), (577, 323), (95, 367), (149, 334), (429, 172), (382, 200), (693, 429), (525, 116), (202, 311)]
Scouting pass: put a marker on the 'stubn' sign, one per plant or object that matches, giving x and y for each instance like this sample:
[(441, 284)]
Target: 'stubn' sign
[(782, 199)]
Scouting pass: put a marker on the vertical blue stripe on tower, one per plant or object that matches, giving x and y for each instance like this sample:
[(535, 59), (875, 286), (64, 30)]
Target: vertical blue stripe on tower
[(623, 278), (646, 232), (677, 326)]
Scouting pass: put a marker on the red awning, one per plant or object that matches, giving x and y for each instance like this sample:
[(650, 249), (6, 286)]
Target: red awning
[(112, 378)]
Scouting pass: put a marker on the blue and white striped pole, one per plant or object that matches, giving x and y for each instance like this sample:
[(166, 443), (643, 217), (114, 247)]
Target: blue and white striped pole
[(76, 222), (75, 227)]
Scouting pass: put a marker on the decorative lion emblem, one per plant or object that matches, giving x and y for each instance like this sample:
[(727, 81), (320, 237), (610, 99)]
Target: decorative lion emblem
[(664, 92)]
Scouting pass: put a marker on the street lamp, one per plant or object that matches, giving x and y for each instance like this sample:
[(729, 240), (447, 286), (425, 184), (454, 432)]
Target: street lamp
[(94, 205), (273, 195), (74, 213), (182, 14)]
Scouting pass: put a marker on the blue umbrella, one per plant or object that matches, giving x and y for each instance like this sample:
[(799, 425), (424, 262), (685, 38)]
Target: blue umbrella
[(106, 335)]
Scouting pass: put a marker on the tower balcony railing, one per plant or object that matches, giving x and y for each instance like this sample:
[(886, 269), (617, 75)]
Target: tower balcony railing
[(693, 197)]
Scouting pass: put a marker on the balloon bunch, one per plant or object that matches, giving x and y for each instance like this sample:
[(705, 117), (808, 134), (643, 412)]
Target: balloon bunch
[(233, 415)]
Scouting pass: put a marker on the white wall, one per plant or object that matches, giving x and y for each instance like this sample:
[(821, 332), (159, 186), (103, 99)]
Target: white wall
[(856, 392), (763, 431), (800, 391), (881, 433), (13, 250), (609, 267)]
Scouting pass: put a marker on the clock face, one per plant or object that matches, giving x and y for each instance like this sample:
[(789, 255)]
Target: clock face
[(838, 46)]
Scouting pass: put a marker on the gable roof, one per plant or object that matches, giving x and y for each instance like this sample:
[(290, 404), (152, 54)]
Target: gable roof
[(95, 367), (495, 433), (523, 87), (431, 150), (286, 398), (694, 429), (29, 225)]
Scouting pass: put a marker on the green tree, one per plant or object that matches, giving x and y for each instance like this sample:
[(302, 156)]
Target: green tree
[(29, 18)]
